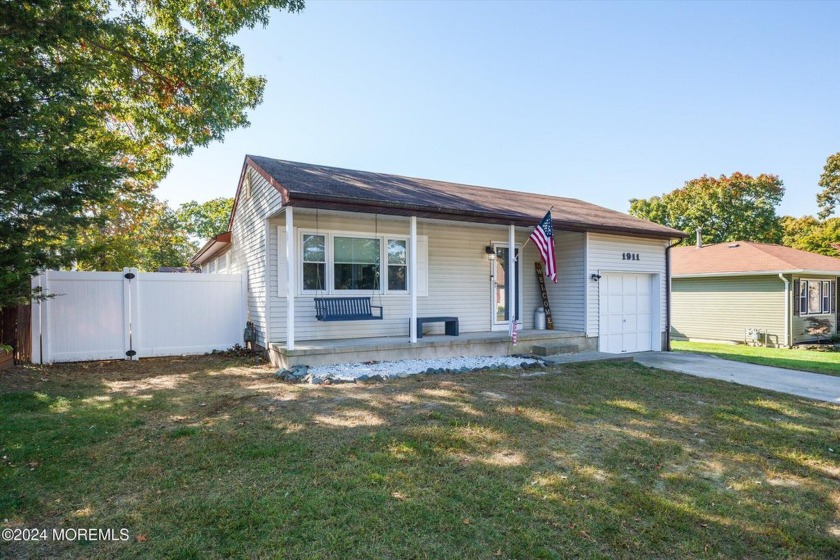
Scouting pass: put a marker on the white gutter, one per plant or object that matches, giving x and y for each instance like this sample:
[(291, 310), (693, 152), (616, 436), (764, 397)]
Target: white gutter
[(787, 308), (797, 271)]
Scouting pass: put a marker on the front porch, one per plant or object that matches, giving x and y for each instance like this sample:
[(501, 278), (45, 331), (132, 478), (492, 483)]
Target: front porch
[(327, 352)]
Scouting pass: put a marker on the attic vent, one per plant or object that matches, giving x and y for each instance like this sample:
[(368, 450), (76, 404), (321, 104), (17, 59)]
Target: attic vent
[(733, 245)]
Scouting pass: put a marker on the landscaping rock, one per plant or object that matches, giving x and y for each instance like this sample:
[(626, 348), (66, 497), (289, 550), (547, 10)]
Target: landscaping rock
[(373, 371)]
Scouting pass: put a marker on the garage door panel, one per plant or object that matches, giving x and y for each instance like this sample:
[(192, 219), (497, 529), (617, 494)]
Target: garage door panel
[(643, 323), (626, 313)]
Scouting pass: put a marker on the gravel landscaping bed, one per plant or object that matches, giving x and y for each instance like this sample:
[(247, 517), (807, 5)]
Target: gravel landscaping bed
[(378, 371)]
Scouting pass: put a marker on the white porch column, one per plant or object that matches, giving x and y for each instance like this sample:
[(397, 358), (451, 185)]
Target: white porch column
[(412, 278), (291, 265), (510, 277)]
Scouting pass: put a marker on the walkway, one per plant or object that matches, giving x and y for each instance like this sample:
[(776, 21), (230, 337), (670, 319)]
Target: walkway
[(800, 383)]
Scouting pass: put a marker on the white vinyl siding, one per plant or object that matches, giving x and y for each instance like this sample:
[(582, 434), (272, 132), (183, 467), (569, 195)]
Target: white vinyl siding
[(453, 272), (567, 298), (248, 250), (609, 253), (453, 277)]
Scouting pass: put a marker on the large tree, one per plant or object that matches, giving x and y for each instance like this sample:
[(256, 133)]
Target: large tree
[(206, 219), (132, 231), (96, 97), (829, 196), (810, 234), (738, 207)]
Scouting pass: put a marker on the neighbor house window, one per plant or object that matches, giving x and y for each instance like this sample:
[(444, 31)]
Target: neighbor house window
[(397, 265), (356, 263), (314, 262), (815, 297)]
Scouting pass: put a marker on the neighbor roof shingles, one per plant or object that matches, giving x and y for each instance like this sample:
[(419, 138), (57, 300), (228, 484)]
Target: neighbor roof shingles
[(747, 257), (309, 185)]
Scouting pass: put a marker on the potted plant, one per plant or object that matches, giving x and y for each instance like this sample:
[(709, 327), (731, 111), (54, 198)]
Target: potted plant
[(7, 356)]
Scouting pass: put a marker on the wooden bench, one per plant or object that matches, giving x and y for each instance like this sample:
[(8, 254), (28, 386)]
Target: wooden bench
[(345, 309), (450, 324)]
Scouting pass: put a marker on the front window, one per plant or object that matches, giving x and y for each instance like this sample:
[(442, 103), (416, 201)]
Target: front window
[(397, 265), (815, 297), (314, 262), (356, 263)]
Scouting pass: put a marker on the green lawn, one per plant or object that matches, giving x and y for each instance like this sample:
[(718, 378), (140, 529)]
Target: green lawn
[(212, 458), (805, 360)]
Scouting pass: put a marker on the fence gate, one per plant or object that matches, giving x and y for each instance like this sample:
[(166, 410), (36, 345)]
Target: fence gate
[(126, 315)]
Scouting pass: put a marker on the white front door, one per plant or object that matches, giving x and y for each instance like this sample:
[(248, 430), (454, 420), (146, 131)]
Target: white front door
[(625, 313)]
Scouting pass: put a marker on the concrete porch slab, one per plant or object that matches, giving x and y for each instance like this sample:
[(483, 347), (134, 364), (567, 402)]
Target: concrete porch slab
[(497, 343)]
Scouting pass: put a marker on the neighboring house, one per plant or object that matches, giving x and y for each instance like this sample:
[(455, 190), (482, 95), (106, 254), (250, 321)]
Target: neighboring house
[(304, 231), (729, 291)]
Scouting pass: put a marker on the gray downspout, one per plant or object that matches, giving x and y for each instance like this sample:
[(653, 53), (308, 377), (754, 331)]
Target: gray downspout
[(668, 294), (787, 309)]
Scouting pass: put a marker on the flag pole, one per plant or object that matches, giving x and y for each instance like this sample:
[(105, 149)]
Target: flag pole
[(521, 249)]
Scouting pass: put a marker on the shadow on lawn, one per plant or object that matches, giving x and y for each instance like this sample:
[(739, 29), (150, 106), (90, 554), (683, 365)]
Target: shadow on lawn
[(613, 460)]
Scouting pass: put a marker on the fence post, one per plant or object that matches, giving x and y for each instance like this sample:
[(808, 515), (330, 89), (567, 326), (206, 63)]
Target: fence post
[(35, 323), (129, 311), (46, 354)]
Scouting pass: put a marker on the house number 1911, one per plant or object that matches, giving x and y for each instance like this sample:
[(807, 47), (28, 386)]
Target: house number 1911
[(630, 256)]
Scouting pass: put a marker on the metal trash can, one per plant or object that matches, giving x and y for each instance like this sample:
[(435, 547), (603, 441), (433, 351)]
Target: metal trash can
[(539, 319)]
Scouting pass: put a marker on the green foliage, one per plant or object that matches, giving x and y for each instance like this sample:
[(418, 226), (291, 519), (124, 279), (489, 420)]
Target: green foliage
[(97, 96), (139, 231), (738, 207), (829, 196), (207, 219), (810, 234)]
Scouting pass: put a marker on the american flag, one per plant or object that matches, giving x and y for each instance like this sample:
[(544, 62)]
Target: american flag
[(543, 238)]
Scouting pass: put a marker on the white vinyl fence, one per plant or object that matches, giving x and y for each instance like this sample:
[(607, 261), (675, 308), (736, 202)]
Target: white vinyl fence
[(130, 315)]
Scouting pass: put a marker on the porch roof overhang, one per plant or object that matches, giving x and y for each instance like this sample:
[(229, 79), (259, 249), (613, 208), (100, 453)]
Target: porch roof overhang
[(328, 188), (214, 247)]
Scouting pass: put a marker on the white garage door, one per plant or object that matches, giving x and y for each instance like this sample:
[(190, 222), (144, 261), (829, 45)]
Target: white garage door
[(625, 318)]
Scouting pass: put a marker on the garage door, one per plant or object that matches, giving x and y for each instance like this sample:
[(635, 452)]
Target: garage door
[(625, 304)]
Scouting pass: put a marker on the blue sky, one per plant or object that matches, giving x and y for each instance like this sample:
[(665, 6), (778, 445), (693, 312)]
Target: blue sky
[(600, 101)]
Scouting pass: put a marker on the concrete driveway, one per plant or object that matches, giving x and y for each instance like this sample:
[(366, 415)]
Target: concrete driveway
[(800, 383)]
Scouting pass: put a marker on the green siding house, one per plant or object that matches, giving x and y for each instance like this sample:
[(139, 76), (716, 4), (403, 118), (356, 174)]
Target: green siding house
[(752, 293)]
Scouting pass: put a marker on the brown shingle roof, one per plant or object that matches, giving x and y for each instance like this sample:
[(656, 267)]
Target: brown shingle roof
[(318, 186), (746, 257)]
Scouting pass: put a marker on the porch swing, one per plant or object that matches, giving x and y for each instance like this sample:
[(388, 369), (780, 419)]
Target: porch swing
[(355, 308)]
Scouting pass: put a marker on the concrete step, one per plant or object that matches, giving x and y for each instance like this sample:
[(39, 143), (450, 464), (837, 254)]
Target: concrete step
[(554, 349)]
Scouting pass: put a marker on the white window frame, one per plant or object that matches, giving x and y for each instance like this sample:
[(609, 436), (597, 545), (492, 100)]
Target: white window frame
[(329, 247), (824, 286), (327, 269), (387, 275)]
